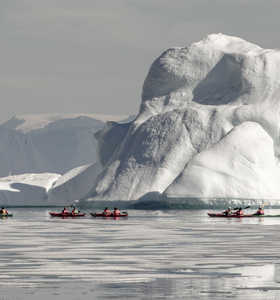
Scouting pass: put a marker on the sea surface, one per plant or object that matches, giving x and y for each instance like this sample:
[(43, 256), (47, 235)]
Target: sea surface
[(171, 254)]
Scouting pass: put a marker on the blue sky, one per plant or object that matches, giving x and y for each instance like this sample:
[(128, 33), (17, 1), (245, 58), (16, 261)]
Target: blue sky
[(93, 55)]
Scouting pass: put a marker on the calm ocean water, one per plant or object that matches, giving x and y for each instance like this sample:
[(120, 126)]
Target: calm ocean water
[(151, 254)]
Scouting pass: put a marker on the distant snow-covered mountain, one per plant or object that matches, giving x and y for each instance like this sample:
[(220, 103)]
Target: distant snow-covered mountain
[(52, 143)]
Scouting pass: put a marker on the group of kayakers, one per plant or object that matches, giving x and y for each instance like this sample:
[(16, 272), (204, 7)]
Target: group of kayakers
[(108, 212), (116, 212), (74, 210), (239, 211)]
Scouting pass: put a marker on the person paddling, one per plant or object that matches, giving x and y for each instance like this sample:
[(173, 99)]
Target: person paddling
[(116, 212), (4, 211), (239, 212), (260, 211), (227, 212), (75, 210), (65, 211), (107, 211)]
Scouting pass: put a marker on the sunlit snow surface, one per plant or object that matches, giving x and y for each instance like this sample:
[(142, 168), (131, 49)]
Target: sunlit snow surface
[(152, 254)]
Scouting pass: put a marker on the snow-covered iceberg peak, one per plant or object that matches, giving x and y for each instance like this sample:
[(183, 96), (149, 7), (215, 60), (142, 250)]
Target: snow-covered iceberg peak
[(218, 70), (195, 100)]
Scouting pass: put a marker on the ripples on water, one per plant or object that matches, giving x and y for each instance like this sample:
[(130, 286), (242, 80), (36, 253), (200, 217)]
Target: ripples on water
[(152, 254)]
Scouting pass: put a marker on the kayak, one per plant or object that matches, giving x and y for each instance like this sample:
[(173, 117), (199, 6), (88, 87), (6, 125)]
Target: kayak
[(124, 214), (65, 215), (7, 215), (220, 215)]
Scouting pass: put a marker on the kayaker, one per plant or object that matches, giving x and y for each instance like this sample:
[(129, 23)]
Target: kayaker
[(227, 211), (107, 211), (239, 212), (75, 210), (65, 211), (3, 211), (116, 212), (259, 212)]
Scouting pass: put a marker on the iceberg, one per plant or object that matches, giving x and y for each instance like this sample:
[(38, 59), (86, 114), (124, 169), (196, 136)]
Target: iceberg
[(48, 189), (26, 189), (74, 185), (208, 126)]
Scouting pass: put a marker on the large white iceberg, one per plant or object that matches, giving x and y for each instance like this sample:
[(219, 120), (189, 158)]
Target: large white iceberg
[(208, 126)]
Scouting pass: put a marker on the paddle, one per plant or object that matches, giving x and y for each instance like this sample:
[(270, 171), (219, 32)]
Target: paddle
[(241, 207)]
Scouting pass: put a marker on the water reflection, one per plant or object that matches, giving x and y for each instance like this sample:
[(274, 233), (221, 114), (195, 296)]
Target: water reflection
[(277, 273), (152, 254)]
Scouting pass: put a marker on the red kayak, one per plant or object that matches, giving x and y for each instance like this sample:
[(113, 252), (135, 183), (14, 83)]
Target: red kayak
[(124, 214), (65, 215), (221, 215)]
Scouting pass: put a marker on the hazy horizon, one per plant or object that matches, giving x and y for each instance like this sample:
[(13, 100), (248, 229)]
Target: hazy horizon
[(93, 56)]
